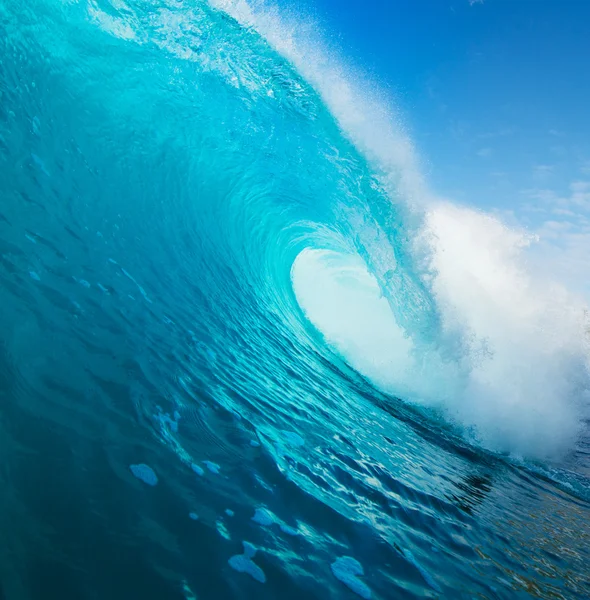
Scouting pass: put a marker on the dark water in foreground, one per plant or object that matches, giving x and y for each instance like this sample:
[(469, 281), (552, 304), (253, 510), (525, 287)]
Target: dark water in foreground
[(160, 170)]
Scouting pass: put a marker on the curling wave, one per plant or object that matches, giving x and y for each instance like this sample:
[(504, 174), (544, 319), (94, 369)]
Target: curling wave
[(214, 231)]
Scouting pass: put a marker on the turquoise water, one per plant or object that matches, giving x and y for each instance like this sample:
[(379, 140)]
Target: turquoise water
[(241, 355)]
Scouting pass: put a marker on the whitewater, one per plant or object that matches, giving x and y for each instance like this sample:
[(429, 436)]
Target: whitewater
[(245, 350)]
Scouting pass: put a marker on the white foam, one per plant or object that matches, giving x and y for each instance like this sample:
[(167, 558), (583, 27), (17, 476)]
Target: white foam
[(526, 343), (508, 360), (243, 563)]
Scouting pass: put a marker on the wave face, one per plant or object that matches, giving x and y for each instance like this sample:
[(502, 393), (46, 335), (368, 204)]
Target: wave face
[(218, 258)]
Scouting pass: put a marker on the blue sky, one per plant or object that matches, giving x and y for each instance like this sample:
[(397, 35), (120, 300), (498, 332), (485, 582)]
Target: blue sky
[(496, 96)]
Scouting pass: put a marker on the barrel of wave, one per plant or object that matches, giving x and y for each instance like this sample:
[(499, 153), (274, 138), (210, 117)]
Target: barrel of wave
[(344, 302)]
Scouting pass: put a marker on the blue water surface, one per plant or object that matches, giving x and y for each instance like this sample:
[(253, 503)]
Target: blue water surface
[(161, 167)]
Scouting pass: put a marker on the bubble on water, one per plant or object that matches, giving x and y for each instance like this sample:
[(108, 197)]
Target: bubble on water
[(166, 421), (289, 530), (243, 563), (222, 529), (144, 473), (229, 512), (263, 517), (198, 470), (213, 467), (194, 516), (293, 439), (347, 570), (34, 276), (263, 483)]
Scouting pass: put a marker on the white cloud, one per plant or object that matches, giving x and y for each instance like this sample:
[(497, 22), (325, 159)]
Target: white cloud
[(472, 2), (542, 171), (484, 152), (496, 134), (565, 251), (580, 196), (556, 133), (563, 212), (562, 224), (580, 186), (585, 167), (543, 195), (576, 199), (559, 150)]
